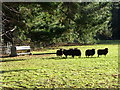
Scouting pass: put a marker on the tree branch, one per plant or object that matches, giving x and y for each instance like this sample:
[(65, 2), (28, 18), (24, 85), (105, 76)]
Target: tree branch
[(8, 31)]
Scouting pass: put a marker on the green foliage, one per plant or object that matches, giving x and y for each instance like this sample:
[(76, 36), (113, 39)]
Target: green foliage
[(10, 18), (115, 22), (109, 42), (50, 71), (54, 22), (95, 20)]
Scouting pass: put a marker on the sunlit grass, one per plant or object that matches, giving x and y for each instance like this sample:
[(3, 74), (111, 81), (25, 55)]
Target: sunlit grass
[(50, 71)]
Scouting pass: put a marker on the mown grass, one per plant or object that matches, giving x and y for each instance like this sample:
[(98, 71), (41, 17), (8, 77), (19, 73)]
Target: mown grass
[(50, 71)]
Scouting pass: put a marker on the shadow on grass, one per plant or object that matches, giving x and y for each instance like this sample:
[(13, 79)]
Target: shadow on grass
[(4, 56), (2, 72), (9, 60), (55, 58), (90, 57), (32, 54), (43, 53), (60, 58)]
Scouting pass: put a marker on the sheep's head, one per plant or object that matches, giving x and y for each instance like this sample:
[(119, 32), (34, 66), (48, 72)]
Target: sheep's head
[(60, 49), (75, 48), (106, 49), (93, 49), (64, 49)]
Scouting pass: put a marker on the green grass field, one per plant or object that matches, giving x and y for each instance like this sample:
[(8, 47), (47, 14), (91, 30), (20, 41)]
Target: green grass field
[(50, 71)]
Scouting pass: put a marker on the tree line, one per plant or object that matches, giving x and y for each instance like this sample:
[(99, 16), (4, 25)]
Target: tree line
[(48, 23)]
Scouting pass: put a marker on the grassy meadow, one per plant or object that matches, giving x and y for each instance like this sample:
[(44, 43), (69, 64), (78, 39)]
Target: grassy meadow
[(50, 71)]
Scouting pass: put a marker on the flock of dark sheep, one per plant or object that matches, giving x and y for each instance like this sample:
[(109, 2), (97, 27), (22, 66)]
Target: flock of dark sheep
[(77, 52)]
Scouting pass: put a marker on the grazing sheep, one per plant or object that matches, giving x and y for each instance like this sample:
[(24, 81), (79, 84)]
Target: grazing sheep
[(68, 52), (76, 52), (59, 52), (72, 52), (90, 52), (102, 51)]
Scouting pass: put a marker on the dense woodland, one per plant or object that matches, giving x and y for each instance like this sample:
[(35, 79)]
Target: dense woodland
[(49, 23)]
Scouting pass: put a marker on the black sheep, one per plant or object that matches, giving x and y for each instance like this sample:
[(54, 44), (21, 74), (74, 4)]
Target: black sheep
[(90, 52), (68, 52), (72, 52), (59, 52), (102, 51), (76, 52)]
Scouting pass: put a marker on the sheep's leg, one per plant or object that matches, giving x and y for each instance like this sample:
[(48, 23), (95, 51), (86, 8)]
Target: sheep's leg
[(73, 56), (66, 56)]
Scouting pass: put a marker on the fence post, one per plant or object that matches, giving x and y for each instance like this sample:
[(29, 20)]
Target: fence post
[(13, 51)]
